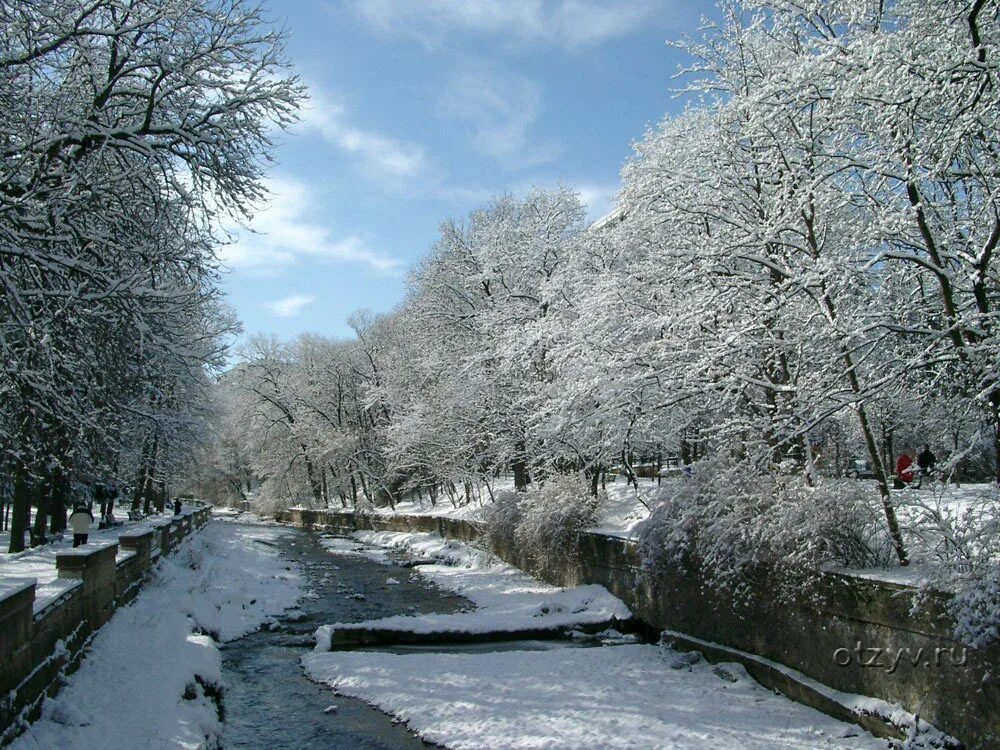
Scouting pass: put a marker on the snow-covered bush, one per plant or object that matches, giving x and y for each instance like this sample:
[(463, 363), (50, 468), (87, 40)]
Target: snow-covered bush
[(959, 533), (731, 523), (551, 517), (962, 542), (501, 519), (976, 609)]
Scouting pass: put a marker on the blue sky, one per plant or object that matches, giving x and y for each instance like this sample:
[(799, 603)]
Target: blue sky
[(420, 111)]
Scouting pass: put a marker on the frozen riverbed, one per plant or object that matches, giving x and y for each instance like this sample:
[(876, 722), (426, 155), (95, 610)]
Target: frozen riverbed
[(616, 696)]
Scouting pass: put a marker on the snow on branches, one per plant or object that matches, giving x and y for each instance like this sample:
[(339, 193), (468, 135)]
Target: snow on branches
[(125, 129)]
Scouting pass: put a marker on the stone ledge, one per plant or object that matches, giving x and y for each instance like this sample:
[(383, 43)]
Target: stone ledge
[(134, 537), (11, 587), (71, 563)]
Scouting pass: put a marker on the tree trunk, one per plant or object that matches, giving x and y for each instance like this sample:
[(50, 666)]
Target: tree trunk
[(520, 466), (112, 496), (57, 506), (314, 485), (161, 495), (148, 489), (37, 534), (879, 469), (364, 489), (873, 453), (995, 408), (140, 479), (595, 478), (21, 503)]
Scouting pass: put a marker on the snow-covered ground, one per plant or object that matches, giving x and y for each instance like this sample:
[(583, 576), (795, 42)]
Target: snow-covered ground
[(506, 599), (628, 696), (130, 690), (625, 509)]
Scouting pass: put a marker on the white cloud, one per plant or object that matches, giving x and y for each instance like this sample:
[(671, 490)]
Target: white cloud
[(289, 307), (380, 153), (501, 109), (566, 22), (585, 22), (597, 197), (289, 230)]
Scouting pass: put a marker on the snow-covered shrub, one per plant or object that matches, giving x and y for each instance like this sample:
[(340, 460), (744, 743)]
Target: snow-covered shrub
[(501, 518), (552, 516), (957, 530), (961, 540), (976, 609), (730, 523)]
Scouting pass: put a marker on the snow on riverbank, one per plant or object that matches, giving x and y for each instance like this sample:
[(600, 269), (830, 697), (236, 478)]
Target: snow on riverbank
[(610, 697), (129, 691), (620, 514), (506, 598)]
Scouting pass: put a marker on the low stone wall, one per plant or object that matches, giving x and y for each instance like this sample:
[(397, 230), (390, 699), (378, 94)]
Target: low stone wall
[(828, 634), (38, 647)]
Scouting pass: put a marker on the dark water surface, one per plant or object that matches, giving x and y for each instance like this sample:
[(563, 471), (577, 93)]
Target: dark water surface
[(269, 702)]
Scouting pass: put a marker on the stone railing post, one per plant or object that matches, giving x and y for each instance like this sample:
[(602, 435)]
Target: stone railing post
[(95, 565), (139, 541), (177, 531), (162, 527)]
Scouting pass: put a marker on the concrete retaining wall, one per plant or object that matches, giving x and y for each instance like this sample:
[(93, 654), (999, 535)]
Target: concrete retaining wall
[(955, 688), (38, 647)]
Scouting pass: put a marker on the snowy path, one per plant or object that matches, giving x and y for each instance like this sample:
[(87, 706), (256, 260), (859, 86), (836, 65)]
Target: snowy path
[(129, 691)]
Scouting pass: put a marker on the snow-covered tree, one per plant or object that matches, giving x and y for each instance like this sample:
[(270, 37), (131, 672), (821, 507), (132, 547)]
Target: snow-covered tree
[(125, 128)]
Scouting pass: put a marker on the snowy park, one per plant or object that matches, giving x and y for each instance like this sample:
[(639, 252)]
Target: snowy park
[(495, 374)]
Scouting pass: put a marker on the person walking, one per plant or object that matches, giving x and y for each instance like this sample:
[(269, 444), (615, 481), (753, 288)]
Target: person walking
[(925, 463), (79, 522), (177, 506)]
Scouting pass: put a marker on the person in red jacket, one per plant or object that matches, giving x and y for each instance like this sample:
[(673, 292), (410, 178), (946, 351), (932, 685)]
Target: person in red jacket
[(904, 474)]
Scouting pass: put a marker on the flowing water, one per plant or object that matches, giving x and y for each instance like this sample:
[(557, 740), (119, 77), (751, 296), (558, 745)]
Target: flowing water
[(271, 705)]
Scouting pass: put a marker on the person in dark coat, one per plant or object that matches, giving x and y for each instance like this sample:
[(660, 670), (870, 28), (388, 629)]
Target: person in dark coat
[(177, 506), (925, 463), (79, 522)]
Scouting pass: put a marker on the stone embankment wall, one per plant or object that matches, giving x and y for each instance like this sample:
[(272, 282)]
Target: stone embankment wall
[(40, 644), (851, 635)]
